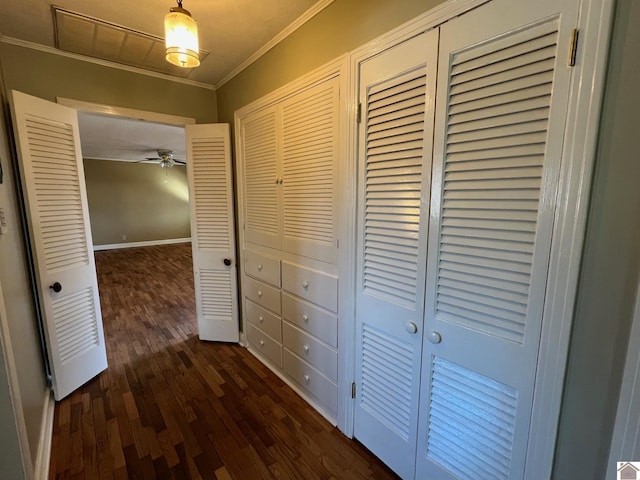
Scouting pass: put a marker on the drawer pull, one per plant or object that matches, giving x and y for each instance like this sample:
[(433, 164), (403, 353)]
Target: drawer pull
[(262, 343), (261, 319), (259, 266), (305, 317), (306, 348), (259, 293), (305, 284), (306, 378)]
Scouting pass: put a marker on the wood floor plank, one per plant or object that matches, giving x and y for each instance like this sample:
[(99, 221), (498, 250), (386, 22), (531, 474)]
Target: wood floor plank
[(173, 407)]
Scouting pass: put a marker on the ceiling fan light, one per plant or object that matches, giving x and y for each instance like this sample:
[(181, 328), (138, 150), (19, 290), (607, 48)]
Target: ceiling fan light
[(181, 38)]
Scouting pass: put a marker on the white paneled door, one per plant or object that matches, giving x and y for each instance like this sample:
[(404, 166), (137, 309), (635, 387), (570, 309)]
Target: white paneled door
[(213, 231), (52, 176), (503, 87), (397, 90)]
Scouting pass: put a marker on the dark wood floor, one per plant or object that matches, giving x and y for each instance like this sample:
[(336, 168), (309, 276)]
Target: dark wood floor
[(170, 406)]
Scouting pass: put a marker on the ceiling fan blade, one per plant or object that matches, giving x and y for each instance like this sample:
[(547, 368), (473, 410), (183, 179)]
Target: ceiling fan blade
[(181, 162)]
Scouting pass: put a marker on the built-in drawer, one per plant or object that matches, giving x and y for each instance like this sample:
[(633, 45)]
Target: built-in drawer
[(317, 354), (265, 345), (264, 320), (317, 287), (311, 319), (262, 267), (311, 380), (264, 295)]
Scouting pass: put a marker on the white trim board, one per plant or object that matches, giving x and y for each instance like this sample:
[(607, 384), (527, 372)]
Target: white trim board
[(41, 469), (115, 246), (105, 63), (125, 112)]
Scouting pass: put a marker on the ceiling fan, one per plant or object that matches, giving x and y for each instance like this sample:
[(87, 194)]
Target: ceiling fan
[(164, 159)]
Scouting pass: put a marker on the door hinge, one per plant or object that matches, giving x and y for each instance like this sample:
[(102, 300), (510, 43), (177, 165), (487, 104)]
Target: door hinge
[(573, 47), (353, 390), (359, 113)]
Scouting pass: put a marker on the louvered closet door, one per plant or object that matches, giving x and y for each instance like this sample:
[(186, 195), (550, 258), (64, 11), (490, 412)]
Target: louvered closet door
[(396, 91), (212, 231), (261, 175), (500, 119), (310, 123), (52, 176)]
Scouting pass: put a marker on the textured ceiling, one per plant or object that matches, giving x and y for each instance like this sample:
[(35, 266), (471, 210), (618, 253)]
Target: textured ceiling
[(230, 30)]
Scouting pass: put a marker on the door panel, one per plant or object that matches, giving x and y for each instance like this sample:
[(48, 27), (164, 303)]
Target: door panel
[(212, 231), (52, 177), (501, 103), (397, 90)]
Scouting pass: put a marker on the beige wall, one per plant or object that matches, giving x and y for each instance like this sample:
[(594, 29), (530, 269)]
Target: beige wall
[(50, 76), (609, 276), (142, 201), (342, 26)]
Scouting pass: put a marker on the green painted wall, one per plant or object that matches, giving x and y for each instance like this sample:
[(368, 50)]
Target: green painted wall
[(48, 76), (610, 267), (341, 27), (142, 201)]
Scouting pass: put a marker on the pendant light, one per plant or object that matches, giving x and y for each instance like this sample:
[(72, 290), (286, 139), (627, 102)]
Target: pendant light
[(181, 37)]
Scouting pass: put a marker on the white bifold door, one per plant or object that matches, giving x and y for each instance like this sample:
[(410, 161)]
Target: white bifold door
[(397, 91), (54, 190), (449, 329), (213, 231)]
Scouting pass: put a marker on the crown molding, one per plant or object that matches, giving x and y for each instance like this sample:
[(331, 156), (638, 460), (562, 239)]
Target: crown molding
[(105, 63), (292, 27)]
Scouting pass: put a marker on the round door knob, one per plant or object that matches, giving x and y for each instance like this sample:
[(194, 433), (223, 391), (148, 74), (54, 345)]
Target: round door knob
[(259, 293), (306, 378), (56, 287), (227, 261), (261, 319), (262, 343), (411, 327), (259, 266), (306, 348), (435, 337), (305, 284), (305, 317)]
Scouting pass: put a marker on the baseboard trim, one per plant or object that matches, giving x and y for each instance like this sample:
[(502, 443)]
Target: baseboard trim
[(41, 468), (113, 246)]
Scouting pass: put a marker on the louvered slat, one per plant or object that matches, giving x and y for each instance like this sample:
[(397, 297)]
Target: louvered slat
[(393, 169), (260, 151), (472, 421), (75, 324), (210, 194), (57, 194), (492, 179), (386, 379), (215, 293), (309, 149)]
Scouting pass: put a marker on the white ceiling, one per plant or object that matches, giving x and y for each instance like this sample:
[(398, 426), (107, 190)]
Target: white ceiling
[(105, 137), (230, 30)]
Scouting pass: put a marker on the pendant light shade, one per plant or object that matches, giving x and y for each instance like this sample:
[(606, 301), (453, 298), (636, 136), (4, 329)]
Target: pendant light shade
[(181, 38)]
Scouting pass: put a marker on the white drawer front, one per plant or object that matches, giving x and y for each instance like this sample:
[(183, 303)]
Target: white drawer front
[(263, 343), (317, 287), (308, 348), (311, 319), (311, 380), (262, 267), (264, 320), (264, 295)]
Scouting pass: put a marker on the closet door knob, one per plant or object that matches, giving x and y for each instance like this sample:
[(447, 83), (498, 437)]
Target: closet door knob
[(261, 319), (305, 284), (411, 327), (56, 287), (259, 293), (306, 378), (305, 317), (259, 266), (227, 261), (435, 337), (306, 348)]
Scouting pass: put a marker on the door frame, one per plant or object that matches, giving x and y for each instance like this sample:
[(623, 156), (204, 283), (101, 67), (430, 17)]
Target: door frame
[(583, 116)]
